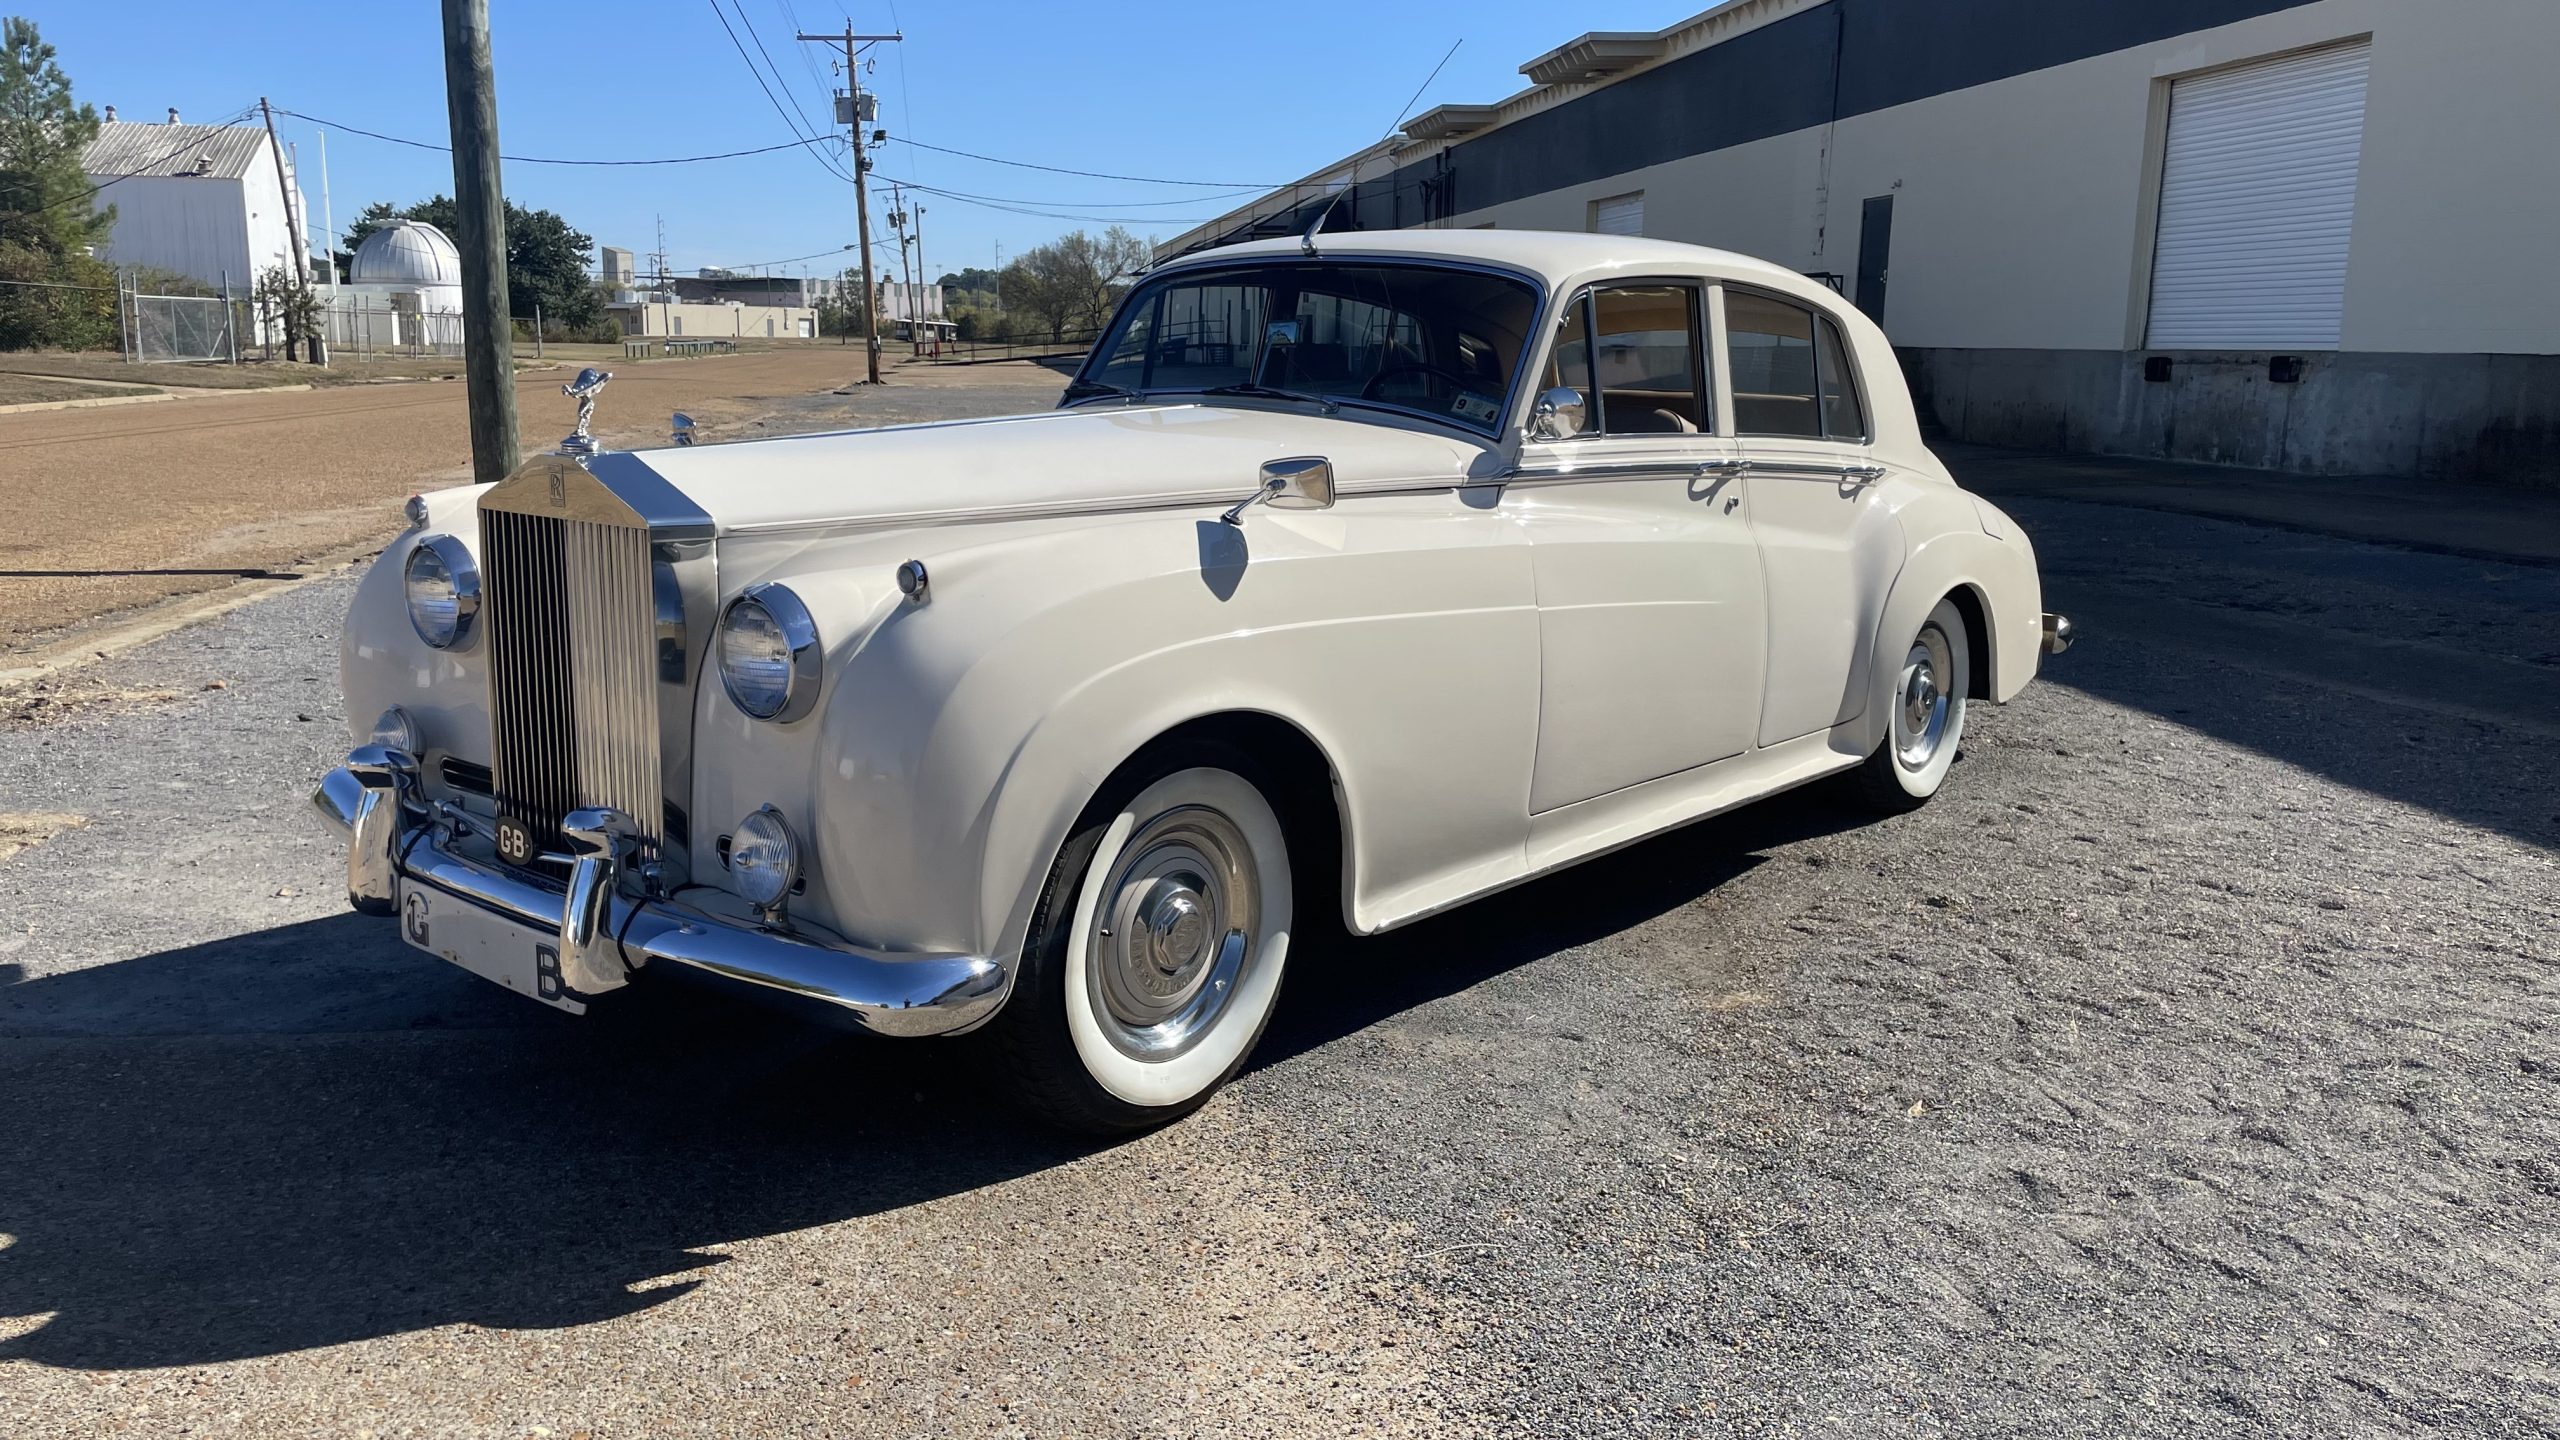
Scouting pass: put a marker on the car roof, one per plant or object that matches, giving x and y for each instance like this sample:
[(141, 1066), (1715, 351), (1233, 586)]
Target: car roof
[(1555, 254)]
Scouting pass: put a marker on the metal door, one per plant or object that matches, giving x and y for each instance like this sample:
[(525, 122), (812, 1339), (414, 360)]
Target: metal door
[(1875, 249)]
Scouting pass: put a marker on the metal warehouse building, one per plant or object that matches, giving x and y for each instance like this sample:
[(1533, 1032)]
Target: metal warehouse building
[(2314, 237)]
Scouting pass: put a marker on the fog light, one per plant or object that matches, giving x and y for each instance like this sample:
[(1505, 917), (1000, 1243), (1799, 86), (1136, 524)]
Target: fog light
[(394, 730), (764, 859)]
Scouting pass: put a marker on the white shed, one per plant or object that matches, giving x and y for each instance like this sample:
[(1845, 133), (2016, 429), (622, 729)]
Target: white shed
[(200, 200)]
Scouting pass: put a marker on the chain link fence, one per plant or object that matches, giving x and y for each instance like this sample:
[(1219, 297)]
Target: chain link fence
[(184, 328)]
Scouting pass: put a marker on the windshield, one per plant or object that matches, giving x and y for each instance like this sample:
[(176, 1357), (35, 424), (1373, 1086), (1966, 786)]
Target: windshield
[(1431, 339)]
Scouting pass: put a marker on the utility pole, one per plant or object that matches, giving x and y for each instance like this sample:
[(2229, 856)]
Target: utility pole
[(924, 276), (480, 212), (906, 272), (301, 256), (851, 115)]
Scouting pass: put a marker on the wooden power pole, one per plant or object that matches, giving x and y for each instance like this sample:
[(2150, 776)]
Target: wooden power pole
[(851, 100), (480, 210)]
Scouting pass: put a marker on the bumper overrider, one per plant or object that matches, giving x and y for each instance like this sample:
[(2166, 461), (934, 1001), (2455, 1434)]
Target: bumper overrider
[(601, 933)]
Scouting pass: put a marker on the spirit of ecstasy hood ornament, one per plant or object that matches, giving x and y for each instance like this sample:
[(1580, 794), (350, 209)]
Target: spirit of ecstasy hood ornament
[(583, 390)]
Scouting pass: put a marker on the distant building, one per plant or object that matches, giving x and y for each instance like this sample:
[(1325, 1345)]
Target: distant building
[(614, 265), (914, 312), (659, 313), (202, 201)]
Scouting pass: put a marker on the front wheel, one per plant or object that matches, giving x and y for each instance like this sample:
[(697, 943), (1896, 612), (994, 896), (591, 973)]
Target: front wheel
[(1154, 958), (1928, 716)]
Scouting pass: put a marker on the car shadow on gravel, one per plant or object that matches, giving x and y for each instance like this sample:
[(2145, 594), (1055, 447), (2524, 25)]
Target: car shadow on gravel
[(213, 1158), (413, 1152)]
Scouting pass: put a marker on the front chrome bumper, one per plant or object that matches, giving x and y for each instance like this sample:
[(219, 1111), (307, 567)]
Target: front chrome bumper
[(605, 933)]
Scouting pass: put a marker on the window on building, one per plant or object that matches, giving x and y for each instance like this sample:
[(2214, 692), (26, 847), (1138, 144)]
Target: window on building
[(2257, 195), (1618, 215)]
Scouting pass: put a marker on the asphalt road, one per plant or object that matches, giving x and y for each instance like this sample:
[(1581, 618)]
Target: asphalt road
[(2191, 1066)]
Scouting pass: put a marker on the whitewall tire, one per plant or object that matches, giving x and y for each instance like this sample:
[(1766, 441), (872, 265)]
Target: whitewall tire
[(1924, 723), (1156, 955)]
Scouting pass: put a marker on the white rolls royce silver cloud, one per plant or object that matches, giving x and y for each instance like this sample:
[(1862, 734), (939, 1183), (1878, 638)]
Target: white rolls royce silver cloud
[(1354, 577)]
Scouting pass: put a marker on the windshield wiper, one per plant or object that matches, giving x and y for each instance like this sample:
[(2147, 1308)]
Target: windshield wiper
[(1092, 389), (1253, 391)]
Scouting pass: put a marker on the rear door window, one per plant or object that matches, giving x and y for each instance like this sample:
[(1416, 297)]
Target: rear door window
[(1652, 379)]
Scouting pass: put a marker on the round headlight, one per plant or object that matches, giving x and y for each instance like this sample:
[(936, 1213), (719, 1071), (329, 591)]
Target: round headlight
[(394, 730), (444, 591), (764, 859), (769, 654)]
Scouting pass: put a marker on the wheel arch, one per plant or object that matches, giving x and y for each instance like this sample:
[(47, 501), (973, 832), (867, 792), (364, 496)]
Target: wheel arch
[(1993, 584), (1029, 823)]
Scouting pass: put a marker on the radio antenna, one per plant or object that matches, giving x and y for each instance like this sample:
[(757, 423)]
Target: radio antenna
[(1307, 241)]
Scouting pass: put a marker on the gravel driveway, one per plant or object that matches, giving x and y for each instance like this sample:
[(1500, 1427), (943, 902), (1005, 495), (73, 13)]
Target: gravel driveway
[(2190, 1066)]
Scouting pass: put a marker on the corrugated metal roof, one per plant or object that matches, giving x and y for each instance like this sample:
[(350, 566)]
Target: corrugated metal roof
[(126, 147)]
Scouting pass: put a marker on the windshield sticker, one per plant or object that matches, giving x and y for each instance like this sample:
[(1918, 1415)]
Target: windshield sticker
[(1474, 407)]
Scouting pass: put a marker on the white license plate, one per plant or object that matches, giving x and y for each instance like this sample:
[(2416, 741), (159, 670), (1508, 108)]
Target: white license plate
[(491, 946)]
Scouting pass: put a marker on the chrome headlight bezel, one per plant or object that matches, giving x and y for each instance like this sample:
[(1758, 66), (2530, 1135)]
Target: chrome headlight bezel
[(802, 659), (462, 573)]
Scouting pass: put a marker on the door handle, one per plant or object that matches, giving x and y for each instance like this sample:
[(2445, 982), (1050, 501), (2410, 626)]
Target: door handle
[(1721, 469), (1860, 476)]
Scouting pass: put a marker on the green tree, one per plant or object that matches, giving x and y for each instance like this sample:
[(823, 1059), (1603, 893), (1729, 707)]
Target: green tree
[(44, 194), (1073, 280), (840, 314), (546, 257)]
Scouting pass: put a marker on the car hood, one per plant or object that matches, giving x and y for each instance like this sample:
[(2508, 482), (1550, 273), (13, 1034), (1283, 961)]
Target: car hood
[(1081, 461)]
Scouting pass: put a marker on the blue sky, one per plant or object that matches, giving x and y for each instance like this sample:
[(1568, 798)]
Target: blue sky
[(1202, 91)]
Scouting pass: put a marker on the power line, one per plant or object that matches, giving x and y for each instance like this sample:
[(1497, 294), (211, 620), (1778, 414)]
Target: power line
[(801, 144), (1094, 174), (150, 167), (758, 36), (786, 260), (1057, 214), (1080, 204), (723, 16)]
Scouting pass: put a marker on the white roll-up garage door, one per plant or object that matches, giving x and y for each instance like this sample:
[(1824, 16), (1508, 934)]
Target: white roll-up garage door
[(2257, 193), (1619, 215)]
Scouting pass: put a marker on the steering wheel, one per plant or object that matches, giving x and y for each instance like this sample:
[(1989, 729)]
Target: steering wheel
[(1413, 367)]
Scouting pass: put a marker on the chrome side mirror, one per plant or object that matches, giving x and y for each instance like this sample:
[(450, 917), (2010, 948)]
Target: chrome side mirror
[(683, 425), (1557, 415), (1302, 482)]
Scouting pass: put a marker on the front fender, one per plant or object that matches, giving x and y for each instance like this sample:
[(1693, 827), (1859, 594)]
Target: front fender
[(960, 737)]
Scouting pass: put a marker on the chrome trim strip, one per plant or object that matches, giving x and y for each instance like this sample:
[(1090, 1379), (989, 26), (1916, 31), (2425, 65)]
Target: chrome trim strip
[(1820, 469), (883, 992)]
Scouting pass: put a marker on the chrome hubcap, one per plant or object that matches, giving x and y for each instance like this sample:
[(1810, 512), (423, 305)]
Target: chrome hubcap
[(1920, 719), (1172, 936)]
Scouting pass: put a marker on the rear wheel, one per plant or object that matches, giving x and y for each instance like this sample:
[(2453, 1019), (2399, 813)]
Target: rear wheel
[(1155, 956), (1928, 716)]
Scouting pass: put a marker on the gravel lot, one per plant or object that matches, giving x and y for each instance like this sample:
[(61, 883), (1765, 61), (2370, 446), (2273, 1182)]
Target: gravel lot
[(2191, 1066)]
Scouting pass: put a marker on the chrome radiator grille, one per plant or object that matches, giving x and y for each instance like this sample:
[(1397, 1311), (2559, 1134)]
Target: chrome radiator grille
[(572, 647)]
